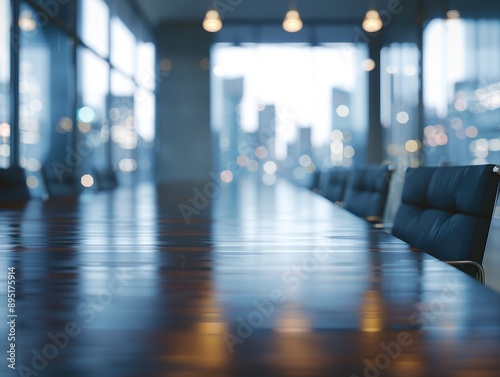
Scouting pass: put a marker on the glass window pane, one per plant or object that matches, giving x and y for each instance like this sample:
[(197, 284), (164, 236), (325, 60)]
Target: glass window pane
[(146, 65), (5, 83), (461, 92), (95, 25), (123, 134), (122, 46), (298, 107), (145, 126), (47, 95), (399, 104), (93, 78)]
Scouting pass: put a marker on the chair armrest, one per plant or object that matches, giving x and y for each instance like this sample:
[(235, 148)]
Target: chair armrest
[(384, 226), (480, 270)]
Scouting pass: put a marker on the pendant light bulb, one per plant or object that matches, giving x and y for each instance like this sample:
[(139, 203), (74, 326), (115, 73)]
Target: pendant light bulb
[(212, 22), (372, 22), (292, 22)]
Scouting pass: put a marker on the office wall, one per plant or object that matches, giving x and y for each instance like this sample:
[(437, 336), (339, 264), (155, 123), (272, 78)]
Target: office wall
[(183, 134)]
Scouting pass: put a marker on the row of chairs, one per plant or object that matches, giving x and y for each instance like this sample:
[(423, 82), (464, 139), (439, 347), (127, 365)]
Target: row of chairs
[(362, 190), (444, 211), (14, 189)]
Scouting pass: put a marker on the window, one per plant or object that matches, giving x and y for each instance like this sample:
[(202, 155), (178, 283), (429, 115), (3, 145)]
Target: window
[(123, 132), (399, 104), (92, 113), (145, 75), (5, 120), (122, 47), (47, 93), (95, 26), (74, 123), (462, 92), (289, 107)]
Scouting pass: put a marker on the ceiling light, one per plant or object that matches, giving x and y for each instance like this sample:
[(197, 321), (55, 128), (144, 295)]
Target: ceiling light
[(372, 22), (212, 22), (292, 22), (26, 21), (453, 14)]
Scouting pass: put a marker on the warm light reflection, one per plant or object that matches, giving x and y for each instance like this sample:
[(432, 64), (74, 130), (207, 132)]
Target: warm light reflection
[(87, 180), (270, 167), (226, 176), (84, 127), (32, 182), (371, 315), (337, 135), (441, 139), (4, 129), (33, 164), (342, 111), (368, 65), (261, 152), (402, 117), (471, 131), (26, 21), (64, 125), (453, 14), (165, 65), (205, 64), (409, 70), (242, 160), (411, 146), (127, 165)]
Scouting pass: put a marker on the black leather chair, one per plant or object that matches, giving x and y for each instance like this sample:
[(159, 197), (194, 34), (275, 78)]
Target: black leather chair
[(13, 188), (105, 179), (335, 185), (446, 212), (315, 181), (366, 191)]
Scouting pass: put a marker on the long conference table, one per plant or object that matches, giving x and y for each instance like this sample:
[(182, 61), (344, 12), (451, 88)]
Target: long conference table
[(230, 280)]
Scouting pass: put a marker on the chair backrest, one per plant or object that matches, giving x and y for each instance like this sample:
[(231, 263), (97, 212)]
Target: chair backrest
[(446, 211), (367, 190), (105, 179), (337, 179), (315, 181), (60, 184), (13, 186)]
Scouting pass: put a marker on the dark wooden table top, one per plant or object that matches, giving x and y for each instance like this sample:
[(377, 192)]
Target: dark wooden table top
[(262, 281)]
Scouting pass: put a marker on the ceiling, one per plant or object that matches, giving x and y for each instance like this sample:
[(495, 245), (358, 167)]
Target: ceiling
[(312, 11), (245, 11)]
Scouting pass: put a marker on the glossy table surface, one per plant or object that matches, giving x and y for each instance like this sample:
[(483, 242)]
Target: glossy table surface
[(246, 281)]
